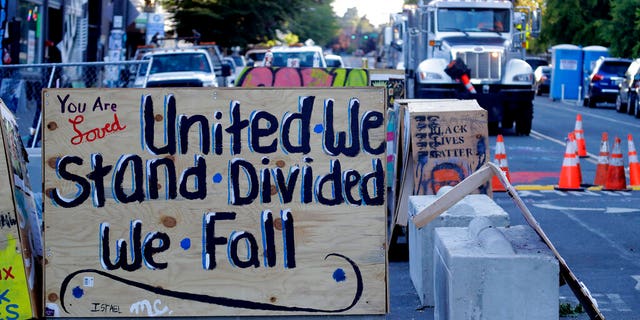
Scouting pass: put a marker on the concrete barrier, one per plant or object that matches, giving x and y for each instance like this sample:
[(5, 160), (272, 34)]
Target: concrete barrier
[(487, 272), (421, 240)]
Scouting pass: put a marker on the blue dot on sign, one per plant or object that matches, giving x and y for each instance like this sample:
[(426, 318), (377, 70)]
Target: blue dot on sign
[(185, 243), (217, 178), (339, 275), (318, 128), (78, 292)]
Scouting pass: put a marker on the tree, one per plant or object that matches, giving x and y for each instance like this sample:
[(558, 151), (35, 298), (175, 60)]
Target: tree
[(315, 21), (233, 22), (625, 28)]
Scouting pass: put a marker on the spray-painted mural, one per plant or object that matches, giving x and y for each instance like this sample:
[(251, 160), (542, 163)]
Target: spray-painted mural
[(302, 77)]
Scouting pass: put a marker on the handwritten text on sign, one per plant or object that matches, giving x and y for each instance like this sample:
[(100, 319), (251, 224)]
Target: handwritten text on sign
[(250, 168)]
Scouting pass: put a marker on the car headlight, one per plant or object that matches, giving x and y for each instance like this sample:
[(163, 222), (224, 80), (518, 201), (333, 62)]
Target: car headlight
[(523, 77), (429, 76)]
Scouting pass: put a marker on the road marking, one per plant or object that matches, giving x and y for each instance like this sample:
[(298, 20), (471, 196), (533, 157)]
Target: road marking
[(591, 157), (605, 210), (617, 301), (637, 278), (596, 116)]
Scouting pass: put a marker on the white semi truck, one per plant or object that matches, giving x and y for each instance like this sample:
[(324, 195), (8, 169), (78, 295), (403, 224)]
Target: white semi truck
[(488, 36)]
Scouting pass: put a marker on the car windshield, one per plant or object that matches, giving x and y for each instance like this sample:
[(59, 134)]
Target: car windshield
[(179, 62), (238, 60), (473, 20), (296, 59), (333, 62), (615, 67)]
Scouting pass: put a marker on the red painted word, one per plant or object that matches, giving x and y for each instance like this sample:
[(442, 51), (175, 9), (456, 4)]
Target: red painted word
[(95, 133), (7, 274)]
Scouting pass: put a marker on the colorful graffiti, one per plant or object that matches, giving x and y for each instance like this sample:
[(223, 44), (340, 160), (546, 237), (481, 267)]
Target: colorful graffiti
[(302, 77), (14, 294)]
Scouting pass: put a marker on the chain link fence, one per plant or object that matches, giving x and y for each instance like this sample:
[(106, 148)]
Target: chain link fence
[(21, 86)]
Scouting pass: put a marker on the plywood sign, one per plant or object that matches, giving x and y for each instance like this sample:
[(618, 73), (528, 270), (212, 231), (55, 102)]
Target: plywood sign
[(20, 241), (193, 202), (449, 141)]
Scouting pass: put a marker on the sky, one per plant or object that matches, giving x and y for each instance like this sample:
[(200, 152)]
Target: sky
[(377, 11)]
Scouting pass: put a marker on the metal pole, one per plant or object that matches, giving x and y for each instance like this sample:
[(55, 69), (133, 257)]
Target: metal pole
[(44, 30)]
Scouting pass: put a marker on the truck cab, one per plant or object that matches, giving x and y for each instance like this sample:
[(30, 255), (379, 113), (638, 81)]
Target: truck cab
[(488, 36)]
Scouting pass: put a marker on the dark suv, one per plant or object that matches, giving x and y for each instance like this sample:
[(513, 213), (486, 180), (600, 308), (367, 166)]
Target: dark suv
[(604, 80)]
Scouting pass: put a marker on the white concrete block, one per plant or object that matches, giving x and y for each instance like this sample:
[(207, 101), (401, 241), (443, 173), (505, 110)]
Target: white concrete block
[(421, 240), (494, 273)]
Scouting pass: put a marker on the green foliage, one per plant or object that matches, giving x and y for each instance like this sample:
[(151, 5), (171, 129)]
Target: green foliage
[(625, 28), (242, 22), (593, 22), (566, 310), (316, 21)]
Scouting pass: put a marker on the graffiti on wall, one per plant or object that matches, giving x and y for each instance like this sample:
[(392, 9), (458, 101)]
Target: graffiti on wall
[(447, 149), (302, 77)]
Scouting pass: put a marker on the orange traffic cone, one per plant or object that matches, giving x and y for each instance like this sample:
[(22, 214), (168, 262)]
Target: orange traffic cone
[(467, 84), (570, 173), (634, 165), (501, 161), (572, 137), (603, 161), (582, 147), (615, 174)]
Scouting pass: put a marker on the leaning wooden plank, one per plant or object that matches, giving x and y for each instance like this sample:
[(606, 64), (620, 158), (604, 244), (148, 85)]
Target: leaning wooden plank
[(451, 197), (579, 289)]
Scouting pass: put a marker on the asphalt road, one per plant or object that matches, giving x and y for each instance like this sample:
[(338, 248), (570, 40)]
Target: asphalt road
[(595, 231)]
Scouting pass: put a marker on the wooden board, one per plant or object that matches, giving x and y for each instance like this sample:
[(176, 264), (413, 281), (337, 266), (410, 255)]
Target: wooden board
[(269, 216), (449, 141), (19, 285)]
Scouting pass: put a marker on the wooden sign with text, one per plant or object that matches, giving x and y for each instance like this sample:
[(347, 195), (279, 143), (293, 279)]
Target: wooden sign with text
[(201, 202), (20, 241)]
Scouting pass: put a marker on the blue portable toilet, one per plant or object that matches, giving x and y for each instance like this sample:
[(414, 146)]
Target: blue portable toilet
[(590, 55), (566, 71)]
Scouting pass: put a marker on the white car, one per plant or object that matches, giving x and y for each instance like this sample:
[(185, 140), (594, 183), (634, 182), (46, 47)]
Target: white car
[(176, 68), (297, 57), (231, 79), (334, 61)]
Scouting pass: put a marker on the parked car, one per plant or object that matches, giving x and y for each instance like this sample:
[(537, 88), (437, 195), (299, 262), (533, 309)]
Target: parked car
[(254, 57), (231, 79), (298, 57), (240, 62), (633, 104), (334, 61), (604, 79), (542, 76), (536, 62), (625, 101), (176, 68)]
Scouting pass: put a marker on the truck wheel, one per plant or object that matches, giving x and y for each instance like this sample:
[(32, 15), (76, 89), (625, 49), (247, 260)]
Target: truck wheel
[(508, 116), (631, 102), (620, 106), (524, 120)]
